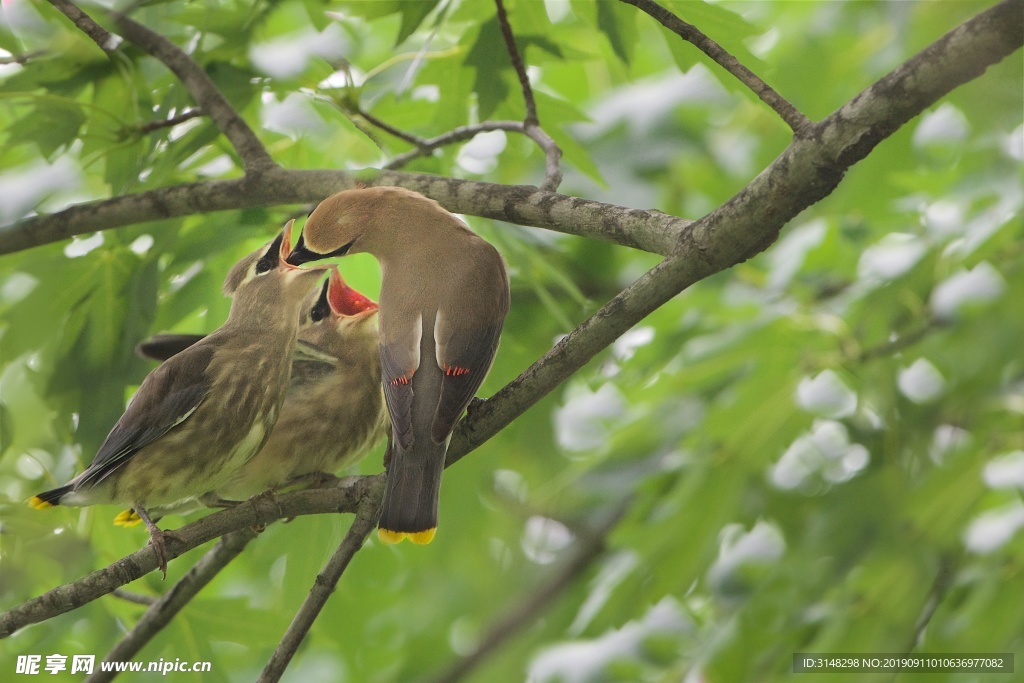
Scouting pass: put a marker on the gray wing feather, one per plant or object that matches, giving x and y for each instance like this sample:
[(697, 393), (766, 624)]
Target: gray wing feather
[(473, 350), (166, 398)]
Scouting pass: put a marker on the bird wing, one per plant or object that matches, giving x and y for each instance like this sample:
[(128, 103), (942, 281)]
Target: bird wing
[(465, 355), (166, 398), (396, 379)]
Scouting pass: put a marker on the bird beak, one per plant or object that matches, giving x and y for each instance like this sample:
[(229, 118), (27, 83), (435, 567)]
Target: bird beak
[(286, 245), (300, 254), (303, 254), (286, 249), (344, 300)]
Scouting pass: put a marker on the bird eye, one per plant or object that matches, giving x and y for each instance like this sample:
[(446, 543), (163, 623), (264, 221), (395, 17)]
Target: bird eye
[(264, 264), (270, 257)]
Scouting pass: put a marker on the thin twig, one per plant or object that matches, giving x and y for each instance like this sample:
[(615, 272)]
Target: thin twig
[(364, 522), (106, 40), (898, 344), (391, 130), (528, 608), (184, 116), (517, 64), (531, 124), (691, 34), (130, 596), (22, 58), (424, 146), (206, 94), (162, 610), (943, 580), (552, 156)]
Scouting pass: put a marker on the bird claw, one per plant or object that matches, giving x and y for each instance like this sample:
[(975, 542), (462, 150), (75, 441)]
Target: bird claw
[(158, 539)]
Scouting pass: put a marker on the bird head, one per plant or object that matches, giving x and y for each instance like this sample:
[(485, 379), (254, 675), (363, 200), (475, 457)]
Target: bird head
[(340, 320), (334, 227), (265, 274)]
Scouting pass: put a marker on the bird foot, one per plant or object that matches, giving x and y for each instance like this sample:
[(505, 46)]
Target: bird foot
[(157, 538), (475, 404)]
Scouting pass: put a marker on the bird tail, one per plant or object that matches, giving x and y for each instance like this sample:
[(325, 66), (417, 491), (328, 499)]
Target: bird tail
[(412, 493), (47, 499)]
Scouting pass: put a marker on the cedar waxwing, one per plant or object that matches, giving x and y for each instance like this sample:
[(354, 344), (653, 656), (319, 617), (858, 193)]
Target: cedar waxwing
[(333, 413), (199, 417), (443, 300)]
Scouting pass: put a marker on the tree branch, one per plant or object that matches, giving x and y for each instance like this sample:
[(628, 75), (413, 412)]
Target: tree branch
[(528, 608), (691, 34), (254, 512), (209, 98), (162, 610), (531, 124), (364, 522), (106, 40), (650, 230)]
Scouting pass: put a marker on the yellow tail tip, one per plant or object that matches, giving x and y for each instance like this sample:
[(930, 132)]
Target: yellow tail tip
[(389, 537), (127, 518), (38, 503)]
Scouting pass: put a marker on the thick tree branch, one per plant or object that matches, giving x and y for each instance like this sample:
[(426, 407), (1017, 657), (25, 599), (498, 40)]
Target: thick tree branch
[(364, 522), (254, 512), (528, 608), (649, 230), (162, 610), (209, 98), (691, 34)]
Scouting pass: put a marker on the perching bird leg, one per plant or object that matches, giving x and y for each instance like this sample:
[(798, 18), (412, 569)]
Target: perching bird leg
[(157, 538)]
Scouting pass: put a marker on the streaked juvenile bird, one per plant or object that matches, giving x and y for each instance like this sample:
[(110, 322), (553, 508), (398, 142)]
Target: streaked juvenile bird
[(199, 417), (443, 301), (333, 413)]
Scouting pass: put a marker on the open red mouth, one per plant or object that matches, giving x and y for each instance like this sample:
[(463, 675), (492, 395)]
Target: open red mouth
[(344, 300)]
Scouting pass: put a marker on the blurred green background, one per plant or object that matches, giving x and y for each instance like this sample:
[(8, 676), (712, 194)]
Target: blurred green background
[(819, 450)]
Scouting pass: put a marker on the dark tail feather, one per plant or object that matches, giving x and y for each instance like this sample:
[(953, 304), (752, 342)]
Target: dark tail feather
[(47, 499), (412, 493), (163, 346)]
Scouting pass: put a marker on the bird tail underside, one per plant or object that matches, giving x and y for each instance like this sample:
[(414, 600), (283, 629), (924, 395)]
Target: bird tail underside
[(47, 499), (412, 493)]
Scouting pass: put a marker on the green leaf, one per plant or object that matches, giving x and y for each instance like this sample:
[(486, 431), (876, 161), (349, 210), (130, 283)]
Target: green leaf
[(51, 126), (618, 23), (489, 58)]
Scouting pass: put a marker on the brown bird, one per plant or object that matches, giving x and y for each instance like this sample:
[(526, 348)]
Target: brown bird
[(199, 417), (333, 413), (443, 300)]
